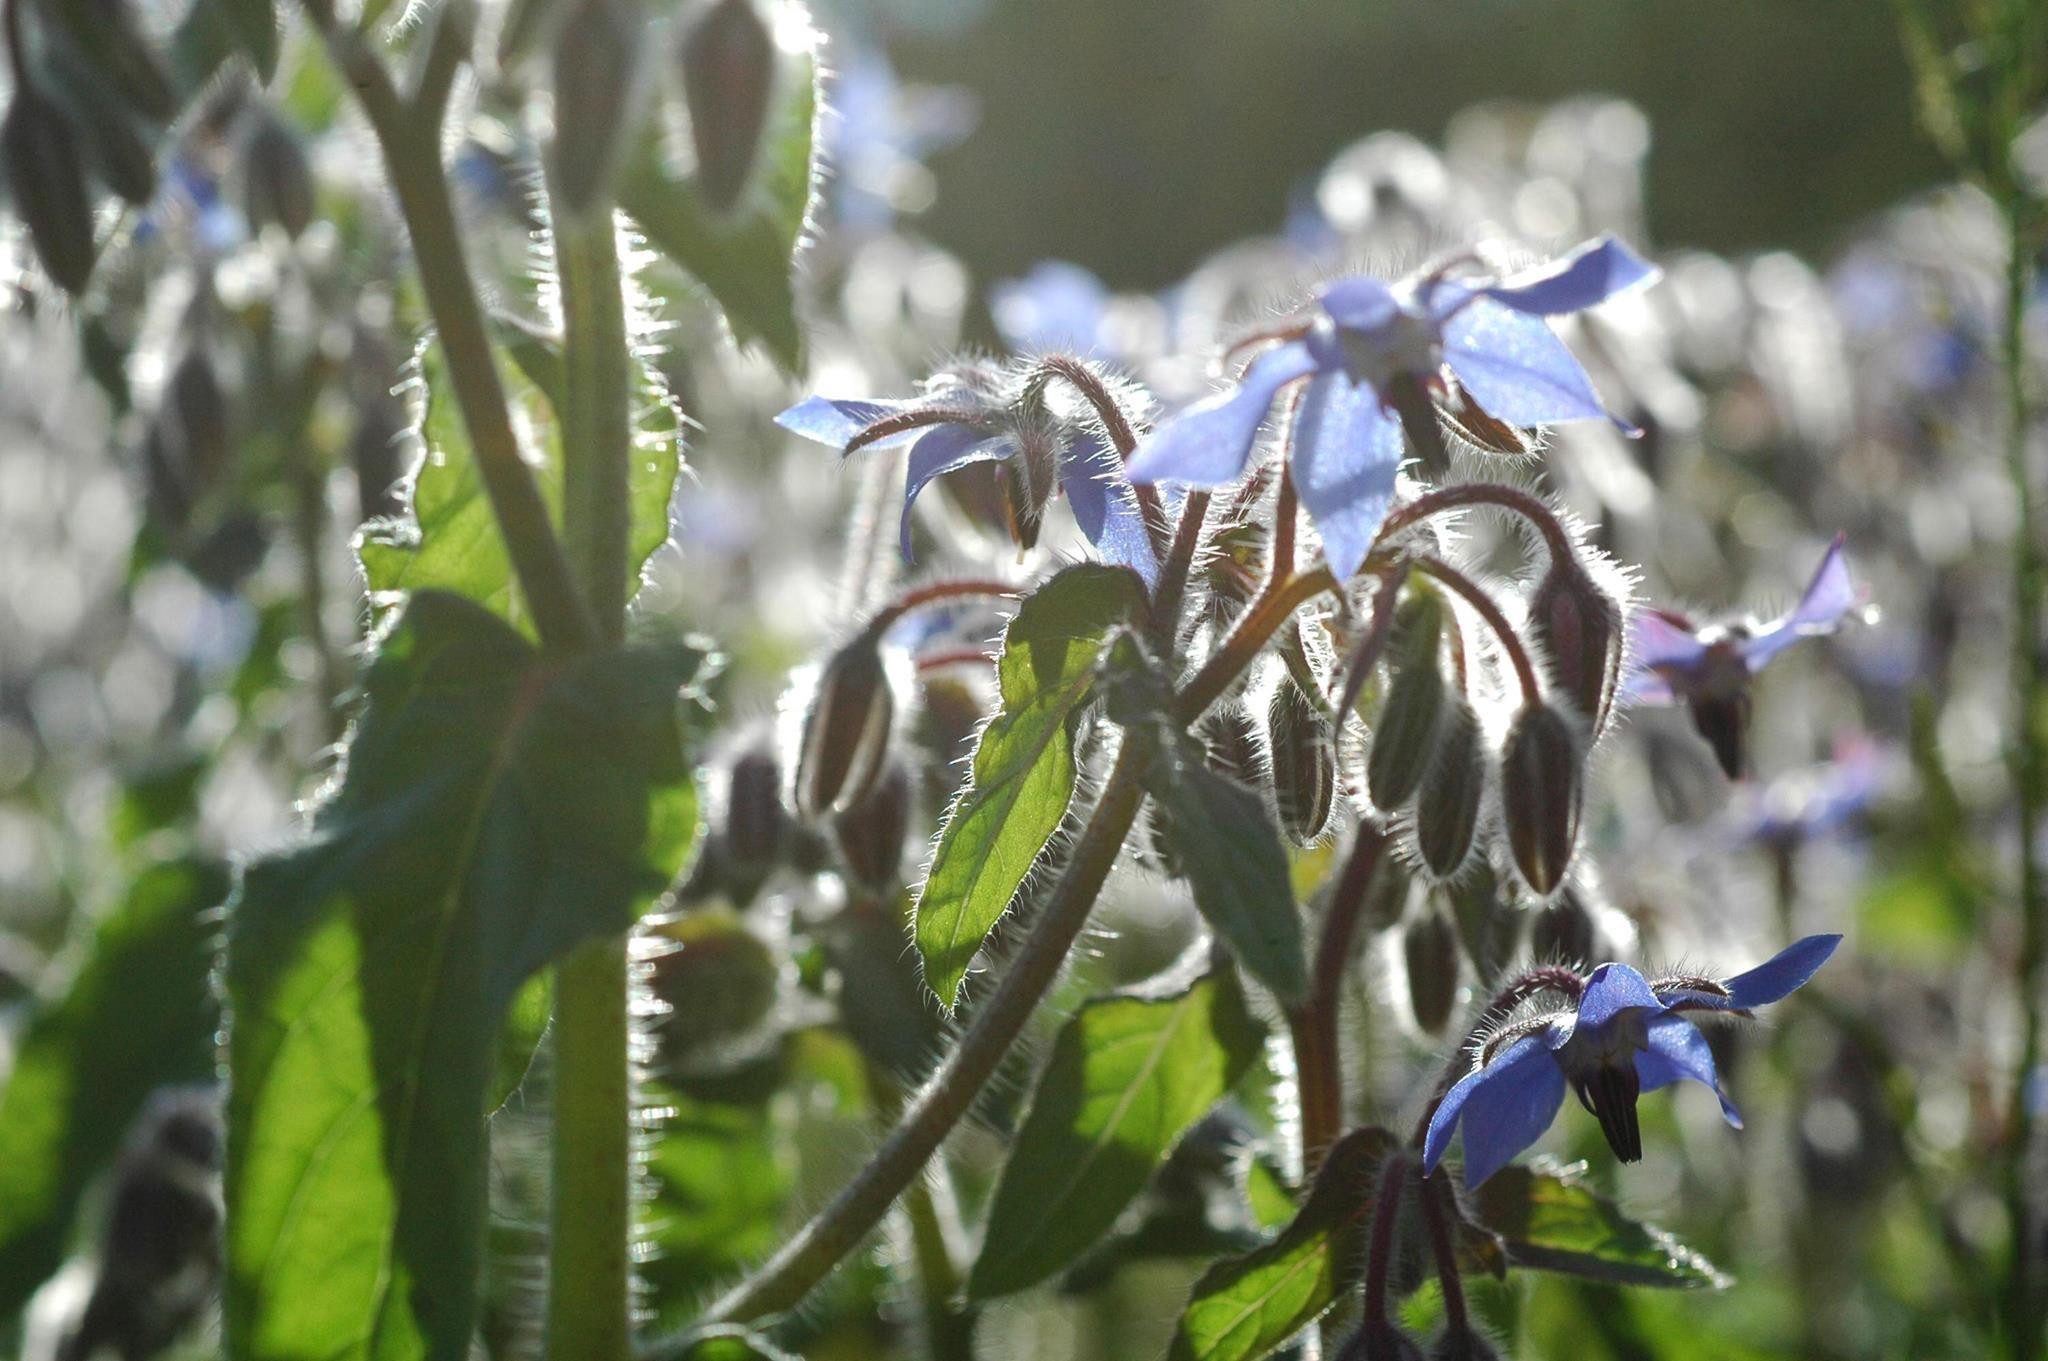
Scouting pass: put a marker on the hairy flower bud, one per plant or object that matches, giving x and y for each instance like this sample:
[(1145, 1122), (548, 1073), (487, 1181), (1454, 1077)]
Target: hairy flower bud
[(846, 730), (1564, 932), (597, 65), (1304, 761), (1447, 809), (1579, 626), (756, 823), (1386, 896), (194, 419), (47, 175), (1380, 1342), (277, 183), (869, 836), (728, 65), (1429, 947), (1463, 1344), (1405, 734), (716, 979), (1542, 781)]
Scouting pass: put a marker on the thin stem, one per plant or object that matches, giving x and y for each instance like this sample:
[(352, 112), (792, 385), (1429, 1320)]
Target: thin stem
[(1379, 1261), (1312, 1026), (2030, 780), (1274, 607), (590, 1240), (411, 145), (1436, 1214), (1482, 604), (1180, 562), (1367, 654), (1521, 503), (806, 1259), (934, 592), (936, 1250)]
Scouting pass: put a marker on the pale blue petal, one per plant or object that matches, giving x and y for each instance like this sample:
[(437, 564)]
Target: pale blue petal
[(1592, 274), (945, 449), (1359, 304), (1509, 1109), (1517, 369), (1612, 990), (836, 420), (1106, 508), (1831, 594), (1781, 974), (1209, 443), (1658, 647), (1346, 451), (1678, 1052)]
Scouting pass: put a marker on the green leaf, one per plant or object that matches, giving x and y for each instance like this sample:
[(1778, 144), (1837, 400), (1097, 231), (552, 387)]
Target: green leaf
[(1023, 766), (744, 261), (498, 808), (137, 1015), (722, 1180), (450, 540), (1129, 1074), (1233, 857), (1549, 1219), (729, 1342), (1243, 1308)]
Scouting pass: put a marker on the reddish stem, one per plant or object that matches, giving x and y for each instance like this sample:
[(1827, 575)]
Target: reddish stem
[(1466, 494), (1482, 604), (1313, 1025)]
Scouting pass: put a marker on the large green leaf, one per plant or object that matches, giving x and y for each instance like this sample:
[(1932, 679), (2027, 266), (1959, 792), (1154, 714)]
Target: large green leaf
[(1230, 850), (1129, 1074), (745, 261), (137, 1014), (1023, 766), (1245, 1307), (498, 808), (449, 540), (1549, 1219)]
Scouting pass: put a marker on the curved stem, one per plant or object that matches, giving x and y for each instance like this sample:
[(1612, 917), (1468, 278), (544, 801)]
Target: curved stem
[(1312, 1026), (1494, 494), (1255, 628), (1482, 604), (804, 1261), (933, 592)]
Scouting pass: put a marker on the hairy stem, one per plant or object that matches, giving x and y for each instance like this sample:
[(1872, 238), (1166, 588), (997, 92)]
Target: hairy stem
[(1312, 1026), (1482, 604), (1255, 628), (937, 592), (1530, 508), (590, 1270)]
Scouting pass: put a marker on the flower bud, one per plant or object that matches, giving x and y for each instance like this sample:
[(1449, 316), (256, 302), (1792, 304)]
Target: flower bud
[(1723, 720), (1463, 1344), (1380, 1342), (195, 419), (1542, 780), (1386, 896), (755, 821), (277, 183), (846, 731), (47, 175), (597, 64), (728, 65), (1405, 734), (1488, 924), (716, 978), (1578, 624), (1564, 931), (1304, 761), (1447, 809), (869, 836), (1232, 743), (1430, 949)]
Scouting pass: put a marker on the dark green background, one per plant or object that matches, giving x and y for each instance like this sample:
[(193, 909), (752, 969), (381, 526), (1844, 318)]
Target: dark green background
[(1135, 136)]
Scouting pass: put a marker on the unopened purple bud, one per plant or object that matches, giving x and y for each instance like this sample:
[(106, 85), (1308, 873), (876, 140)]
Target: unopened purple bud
[(195, 419), (755, 820), (277, 183), (1447, 809), (869, 836), (1579, 626), (1542, 781), (1430, 949), (846, 731), (1304, 761), (728, 63), (1564, 932), (1404, 736), (1386, 897)]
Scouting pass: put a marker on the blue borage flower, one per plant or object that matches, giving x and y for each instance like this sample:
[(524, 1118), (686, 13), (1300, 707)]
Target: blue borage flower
[(1626, 1036), (1708, 667), (1368, 345), (987, 416)]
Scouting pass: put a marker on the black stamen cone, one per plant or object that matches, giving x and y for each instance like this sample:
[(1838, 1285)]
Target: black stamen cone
[(1610, 1092), (1724, 723)]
